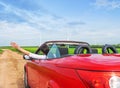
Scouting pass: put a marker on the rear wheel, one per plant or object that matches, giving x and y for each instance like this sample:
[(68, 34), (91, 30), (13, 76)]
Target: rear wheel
[(26, 80)]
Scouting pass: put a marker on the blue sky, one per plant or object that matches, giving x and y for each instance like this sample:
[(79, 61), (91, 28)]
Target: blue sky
[(32, 22)]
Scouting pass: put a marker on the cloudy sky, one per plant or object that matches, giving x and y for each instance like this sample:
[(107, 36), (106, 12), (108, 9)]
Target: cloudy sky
[(32, 22)]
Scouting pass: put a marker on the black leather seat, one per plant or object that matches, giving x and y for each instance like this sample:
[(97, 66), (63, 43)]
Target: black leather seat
[(63, 51), (94, 51)]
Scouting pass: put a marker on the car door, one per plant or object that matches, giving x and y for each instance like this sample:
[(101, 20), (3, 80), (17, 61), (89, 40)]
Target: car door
[(45, 66), (33, 74), (38, 70)]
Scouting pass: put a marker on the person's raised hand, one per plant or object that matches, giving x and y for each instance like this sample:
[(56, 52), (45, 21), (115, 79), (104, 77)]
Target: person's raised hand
[(14, 45)]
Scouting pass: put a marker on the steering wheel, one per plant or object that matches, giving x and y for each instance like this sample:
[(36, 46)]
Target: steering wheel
[(107, 48), (80, 49)]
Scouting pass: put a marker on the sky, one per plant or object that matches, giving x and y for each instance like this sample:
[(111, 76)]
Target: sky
[(32, 22)]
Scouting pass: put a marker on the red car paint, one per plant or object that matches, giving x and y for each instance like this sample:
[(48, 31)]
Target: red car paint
[(74, 71)]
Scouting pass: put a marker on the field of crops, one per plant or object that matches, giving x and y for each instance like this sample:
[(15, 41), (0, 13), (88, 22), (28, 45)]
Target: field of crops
[(34, 48)]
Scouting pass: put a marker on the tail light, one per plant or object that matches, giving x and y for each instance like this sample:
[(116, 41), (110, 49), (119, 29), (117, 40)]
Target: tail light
[(114, 82), (99, 79)]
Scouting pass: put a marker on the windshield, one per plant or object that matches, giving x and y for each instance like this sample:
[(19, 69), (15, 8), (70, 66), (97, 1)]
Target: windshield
[(54, 52)]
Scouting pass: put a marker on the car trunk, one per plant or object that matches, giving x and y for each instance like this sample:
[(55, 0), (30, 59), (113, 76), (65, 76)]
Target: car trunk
[(96, 71), (95, 62)]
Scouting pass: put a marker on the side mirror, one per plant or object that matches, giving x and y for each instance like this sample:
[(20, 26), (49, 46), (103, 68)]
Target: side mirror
[(26, 57)]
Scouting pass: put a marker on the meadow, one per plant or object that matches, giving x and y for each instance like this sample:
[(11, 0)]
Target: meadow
[(29, 48), (34, 48)]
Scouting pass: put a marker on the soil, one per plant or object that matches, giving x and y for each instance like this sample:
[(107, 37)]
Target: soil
[(11, 69)]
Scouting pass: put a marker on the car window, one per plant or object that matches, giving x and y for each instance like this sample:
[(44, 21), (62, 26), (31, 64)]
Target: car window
[(53, 52)]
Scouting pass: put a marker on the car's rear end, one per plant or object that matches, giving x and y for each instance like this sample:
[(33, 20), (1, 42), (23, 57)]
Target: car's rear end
[(97, 71), (100, 79)]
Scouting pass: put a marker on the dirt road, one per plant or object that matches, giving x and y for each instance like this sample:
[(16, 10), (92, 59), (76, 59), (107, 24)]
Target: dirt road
[(11, 70)]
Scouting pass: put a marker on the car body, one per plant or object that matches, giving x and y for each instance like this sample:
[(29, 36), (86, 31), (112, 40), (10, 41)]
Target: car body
[(73, 64)]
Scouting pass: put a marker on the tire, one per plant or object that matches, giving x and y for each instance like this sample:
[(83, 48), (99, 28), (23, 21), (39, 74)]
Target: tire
[(26, 80)]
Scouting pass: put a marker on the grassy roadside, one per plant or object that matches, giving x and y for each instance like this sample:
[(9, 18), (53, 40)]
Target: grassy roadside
[(1, 51), (29, 48)]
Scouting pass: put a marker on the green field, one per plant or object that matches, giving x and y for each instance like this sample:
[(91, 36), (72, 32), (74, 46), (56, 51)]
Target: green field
[(29, 48), (34, 48)]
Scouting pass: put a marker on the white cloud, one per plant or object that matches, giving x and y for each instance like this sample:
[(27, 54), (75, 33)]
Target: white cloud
[(34, 27), (22, 33), (39, 27), (25, 34), (97, 37), (40, 19), (109, 4)]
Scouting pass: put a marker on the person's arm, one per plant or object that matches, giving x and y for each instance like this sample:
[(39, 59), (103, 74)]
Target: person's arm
[(16, 46), (36, 56), (32, 55)]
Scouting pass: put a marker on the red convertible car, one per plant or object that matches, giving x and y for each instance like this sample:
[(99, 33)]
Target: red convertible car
[(73, 64)]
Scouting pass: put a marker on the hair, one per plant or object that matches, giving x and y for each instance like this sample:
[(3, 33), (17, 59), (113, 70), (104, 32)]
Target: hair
[(45, 49)]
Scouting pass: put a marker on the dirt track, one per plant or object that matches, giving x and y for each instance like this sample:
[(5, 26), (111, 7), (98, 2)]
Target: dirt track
[(11, 70)]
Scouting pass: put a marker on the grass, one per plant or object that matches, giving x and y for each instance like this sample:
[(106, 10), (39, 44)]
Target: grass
[(29, 48), (1, 51), (71, 50), (100, 50), (118, 50), (34, 48)]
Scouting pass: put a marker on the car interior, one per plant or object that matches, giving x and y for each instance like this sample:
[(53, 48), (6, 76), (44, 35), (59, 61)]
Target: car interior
[(81, 49), (57, 50)]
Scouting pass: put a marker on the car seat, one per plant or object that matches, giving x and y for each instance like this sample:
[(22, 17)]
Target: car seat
[(63, 51), (94, 51)]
